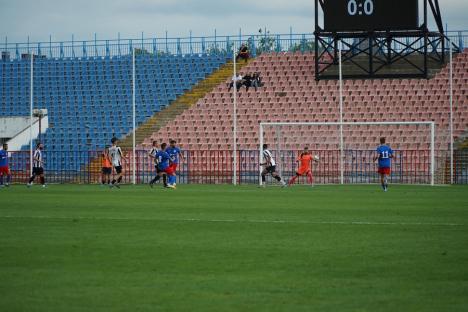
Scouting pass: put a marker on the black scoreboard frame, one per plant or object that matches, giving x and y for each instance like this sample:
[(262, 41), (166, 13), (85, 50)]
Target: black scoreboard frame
[(377, 47)]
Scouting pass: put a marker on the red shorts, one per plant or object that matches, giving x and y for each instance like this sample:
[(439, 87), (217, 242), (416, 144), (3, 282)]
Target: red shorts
[(173, 166), (4, 170), (169, 170), (384, 171)]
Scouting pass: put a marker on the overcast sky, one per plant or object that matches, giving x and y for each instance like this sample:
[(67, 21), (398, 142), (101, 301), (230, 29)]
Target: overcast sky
[(62, 18)]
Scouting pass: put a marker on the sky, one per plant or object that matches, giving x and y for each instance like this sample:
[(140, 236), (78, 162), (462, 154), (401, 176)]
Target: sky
[(40, 19)]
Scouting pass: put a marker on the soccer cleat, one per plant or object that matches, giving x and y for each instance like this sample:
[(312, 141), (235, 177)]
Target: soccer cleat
[(117, 185), (29, 185), (171, 186), (151, 184), (283, 184)]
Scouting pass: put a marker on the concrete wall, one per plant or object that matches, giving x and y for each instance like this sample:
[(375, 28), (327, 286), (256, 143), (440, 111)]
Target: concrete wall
[(20, 125), (11, 126)]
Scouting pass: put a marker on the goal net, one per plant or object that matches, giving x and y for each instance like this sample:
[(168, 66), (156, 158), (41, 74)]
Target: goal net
[(346, 151)]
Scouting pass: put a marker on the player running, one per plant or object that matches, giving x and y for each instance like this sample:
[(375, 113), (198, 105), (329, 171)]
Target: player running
[(152, 154), (304, 160), (270, 167), (116, 157), (164, 167), (384, 155), (38, 166), (4, 169), (106, 170), (174, 152)]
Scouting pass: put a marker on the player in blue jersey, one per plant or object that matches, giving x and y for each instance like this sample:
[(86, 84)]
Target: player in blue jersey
[(175, 153), (384, 156), (4, 169), (164, 167)]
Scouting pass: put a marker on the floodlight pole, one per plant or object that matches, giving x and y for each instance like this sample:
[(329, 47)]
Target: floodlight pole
[(31, 106), (134, 118), (432, 152), (451, 109), (234, 119), (341, 116), (260, 157)]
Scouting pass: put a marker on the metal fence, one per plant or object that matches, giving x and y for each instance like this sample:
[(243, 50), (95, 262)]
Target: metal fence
[(177, 46), (216, 167)]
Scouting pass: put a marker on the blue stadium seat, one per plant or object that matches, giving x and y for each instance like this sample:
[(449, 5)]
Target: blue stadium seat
[(89, 100)]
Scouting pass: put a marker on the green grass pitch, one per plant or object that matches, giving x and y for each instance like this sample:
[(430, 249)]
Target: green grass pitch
[(226, 248)]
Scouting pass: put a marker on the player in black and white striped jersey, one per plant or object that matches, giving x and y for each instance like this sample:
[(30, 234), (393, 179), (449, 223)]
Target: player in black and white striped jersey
[(270, 167), (38, 165), (116, 157)]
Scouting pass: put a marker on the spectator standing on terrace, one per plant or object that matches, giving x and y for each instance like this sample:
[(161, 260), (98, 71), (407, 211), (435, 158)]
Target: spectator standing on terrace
[(243, 53)]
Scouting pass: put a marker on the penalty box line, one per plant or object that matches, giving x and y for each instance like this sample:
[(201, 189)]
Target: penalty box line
[(240, 221)]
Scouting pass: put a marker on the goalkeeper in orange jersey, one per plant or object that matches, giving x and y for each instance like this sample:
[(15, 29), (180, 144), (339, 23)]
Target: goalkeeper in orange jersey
[(304, 160)]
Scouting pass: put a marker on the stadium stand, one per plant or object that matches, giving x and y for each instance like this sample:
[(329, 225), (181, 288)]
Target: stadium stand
[(89, 99), (292, 94)]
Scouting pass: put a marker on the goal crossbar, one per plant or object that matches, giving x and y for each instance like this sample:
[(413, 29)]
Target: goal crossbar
[(431, 124)]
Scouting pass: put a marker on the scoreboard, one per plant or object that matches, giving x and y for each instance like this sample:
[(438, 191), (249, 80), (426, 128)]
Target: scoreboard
[(370, 15)]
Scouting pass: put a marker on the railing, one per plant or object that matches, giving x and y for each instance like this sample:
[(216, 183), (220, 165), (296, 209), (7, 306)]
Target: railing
[(176, 46), (215, 167)]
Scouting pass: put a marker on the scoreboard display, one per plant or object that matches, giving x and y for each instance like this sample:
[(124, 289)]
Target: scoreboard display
[(370, 15)]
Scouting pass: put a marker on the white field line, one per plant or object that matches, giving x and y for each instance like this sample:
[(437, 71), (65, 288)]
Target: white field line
[(238, 221)]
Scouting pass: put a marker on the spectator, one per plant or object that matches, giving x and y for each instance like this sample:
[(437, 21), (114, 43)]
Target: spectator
[(237, 80), (256, 81), (243, 53), (247, 81)]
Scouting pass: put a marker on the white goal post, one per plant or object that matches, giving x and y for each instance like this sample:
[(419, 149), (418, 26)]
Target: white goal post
[(339, 137)]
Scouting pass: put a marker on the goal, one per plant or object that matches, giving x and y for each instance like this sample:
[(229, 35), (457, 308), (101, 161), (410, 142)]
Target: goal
[(347, 150)]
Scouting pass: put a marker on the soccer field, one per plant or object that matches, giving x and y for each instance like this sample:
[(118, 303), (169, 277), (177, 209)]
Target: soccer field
[(225, 248)]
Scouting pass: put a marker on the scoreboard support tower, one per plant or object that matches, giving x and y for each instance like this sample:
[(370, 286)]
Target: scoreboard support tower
[(377, 37)]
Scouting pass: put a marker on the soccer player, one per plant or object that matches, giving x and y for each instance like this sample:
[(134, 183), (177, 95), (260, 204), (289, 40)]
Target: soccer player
[(164, 167), (38, 165), (116, 157), (304, 160), (384, 155), (106, 167), (4, 169), (152, 154), (270, 167), (174, 152)]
